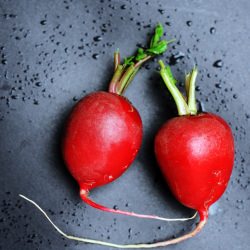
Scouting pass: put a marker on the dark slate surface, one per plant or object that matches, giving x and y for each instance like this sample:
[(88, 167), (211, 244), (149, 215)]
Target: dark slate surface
[(50, 57)]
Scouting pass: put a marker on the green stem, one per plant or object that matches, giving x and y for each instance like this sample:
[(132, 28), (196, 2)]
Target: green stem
[(115, 79), (124, 80), (191, 91), (117, 59), (130, 79), (138, 64), (187, 83), (181, 104), (124, 73), (129, 75)]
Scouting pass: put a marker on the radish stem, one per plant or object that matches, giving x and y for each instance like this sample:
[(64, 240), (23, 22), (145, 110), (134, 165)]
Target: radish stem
[(129, 75), (169, 81), (187, 82), (191, 91), (117, 59), (184, 107), (115, 79), (130, 65), (128, 246)]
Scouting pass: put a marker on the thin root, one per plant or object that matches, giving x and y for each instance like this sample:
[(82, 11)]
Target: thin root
[(85, 198), (129, 246)]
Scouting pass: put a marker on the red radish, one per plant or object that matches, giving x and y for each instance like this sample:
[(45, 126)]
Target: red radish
[(195, 152), (102, 138), (196, 155), (104, 131)]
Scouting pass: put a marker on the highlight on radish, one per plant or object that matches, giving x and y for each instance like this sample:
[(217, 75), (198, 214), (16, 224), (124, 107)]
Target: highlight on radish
[(104, 131)]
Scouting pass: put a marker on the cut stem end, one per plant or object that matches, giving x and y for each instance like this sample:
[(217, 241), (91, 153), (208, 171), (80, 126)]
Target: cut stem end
[(184, 107)]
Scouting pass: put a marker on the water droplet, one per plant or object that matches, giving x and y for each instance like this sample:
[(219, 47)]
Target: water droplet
[(174, 59), (110, 177), (7, 16), (218, 64), (38, 84), (218, 85), (43, 22), (123, 7), (14, 97), (35, 102), (161, 11), (4, 61), (97, 38), (212, 30), (197, 88), (189, 23), (95, 56), (115, 207)]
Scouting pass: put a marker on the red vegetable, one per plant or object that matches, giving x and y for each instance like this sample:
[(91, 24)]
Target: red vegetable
[(196, 156), (104, 131), (102, 138), (195, 152)]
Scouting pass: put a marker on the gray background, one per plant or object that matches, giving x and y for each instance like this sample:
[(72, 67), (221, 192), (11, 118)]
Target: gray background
[(49, 59)]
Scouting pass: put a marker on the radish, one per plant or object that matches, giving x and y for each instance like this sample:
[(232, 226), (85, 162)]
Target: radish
[(195, 151), (104, 131)]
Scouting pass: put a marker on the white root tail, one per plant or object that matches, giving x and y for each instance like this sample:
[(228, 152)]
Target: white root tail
[(129, 246)]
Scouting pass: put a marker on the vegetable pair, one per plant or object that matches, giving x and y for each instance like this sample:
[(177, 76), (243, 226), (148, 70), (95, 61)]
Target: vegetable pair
[(104, 133)]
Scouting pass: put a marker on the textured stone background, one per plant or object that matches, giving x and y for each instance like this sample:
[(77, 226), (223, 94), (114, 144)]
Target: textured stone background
[(54, 52)]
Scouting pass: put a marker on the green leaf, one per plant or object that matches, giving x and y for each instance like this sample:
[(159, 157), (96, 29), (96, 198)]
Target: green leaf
[(140, 51), (159, 48), (140, 54), (157, 36), (128, 60), (140, 57)]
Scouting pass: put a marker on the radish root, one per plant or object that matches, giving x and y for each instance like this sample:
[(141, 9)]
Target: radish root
[(129, 246), (85, 198)]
